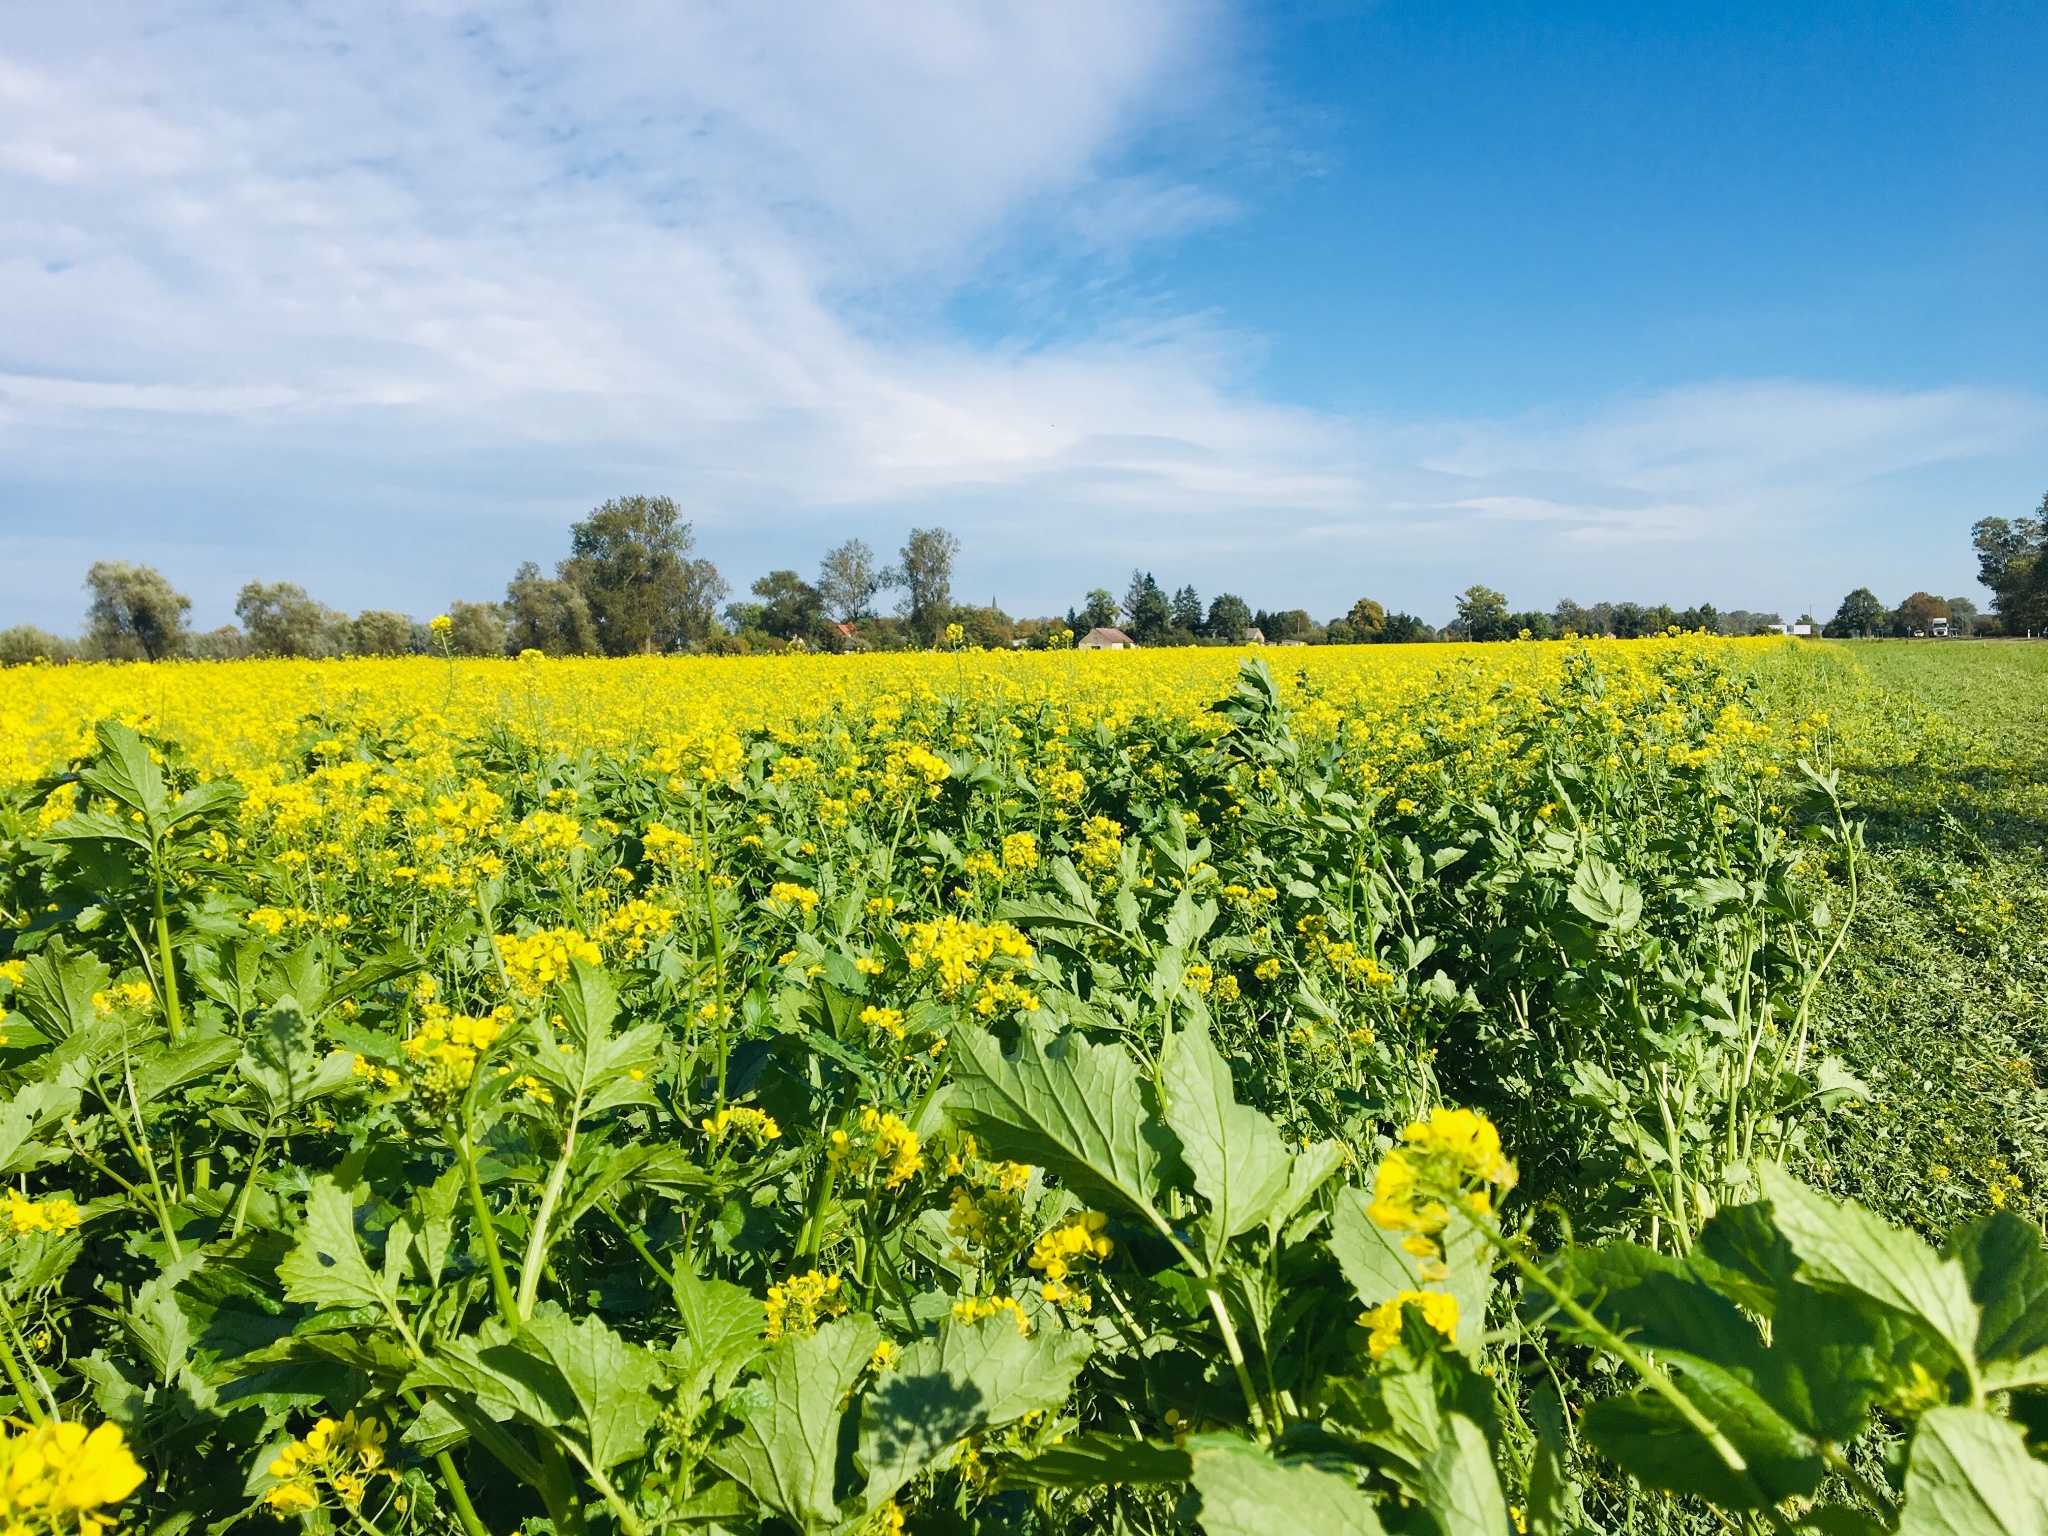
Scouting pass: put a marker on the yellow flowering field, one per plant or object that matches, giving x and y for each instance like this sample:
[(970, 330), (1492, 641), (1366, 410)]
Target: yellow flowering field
[(987, 1092)]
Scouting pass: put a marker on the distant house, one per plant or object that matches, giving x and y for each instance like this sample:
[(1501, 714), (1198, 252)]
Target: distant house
[(1106, 640), (1254, 636)]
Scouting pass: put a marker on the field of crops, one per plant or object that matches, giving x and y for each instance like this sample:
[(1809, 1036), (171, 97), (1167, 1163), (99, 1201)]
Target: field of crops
[(1532, 1088)]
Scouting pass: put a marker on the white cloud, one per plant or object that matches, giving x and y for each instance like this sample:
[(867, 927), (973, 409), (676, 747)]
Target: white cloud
[(378, 296)]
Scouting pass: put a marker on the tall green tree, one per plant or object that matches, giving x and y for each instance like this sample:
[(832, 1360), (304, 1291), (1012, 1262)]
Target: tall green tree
[(1187, 610), (926, 576), (848, 580), (630, 558), (547, 614), (281, 620), (1860, 614), (1147, 612), (791, 608), (1098, 612), (1229, 617), (477, 629), (380, 632), (2010, 562), (135, 612), (1483, 613)]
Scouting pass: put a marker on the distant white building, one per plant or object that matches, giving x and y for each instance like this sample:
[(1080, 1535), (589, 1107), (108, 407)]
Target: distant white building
[(1105, 640), (1254, 635)]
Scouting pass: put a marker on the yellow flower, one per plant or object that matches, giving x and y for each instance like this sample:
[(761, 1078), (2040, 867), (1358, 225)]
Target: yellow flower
[(973, 1309), (797, 1305), (59, 1477), (882, 1145), (757, 1127), (441, 625), (1438, 1308)]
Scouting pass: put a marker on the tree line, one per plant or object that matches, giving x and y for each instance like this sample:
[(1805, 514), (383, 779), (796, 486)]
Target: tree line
[(634, 584)]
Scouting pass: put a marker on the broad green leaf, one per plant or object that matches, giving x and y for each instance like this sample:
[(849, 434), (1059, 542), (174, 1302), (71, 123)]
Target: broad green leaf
[(613, 1382), (126, 770), (1599, 892), (1969, 1474), (326, 1266), (162, 1068), (281, 1064), (1554, 1508), (1245, 1492), (787, 1449), (1460, 1487), (1651, 1441), (1307, 1172), (506, 1380), (1659, 1303), (36, 1109), (158, 1325), (1846, 1248), (970, 1377), (1074, 1108), (1235, 1153), (1380, 1268), (2007, 1268), (721, 1328), (56, 992), (1092, 1461)]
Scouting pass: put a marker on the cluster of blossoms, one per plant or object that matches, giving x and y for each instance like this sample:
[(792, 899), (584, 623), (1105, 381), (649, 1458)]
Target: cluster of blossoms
[(972, 1309), (634, 925), (342, 1456), (990, 1211), (1061, 1254), (535, 962), (1101, 846), (797, 1305), (669, 849), (788, 898), (880, 1147), (547, 836), (957, 949), (884, 1021), (740, 1122), (125, 997), (999, 994), (53, 1215), (1348, 961), (1439, 1309), (443, 1055), (58, 1479)]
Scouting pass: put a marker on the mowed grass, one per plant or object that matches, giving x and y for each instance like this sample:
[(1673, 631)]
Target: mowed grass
[(1942, 1005)]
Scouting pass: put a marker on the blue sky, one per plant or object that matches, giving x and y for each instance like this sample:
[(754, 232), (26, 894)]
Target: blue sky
[(1734, 303)]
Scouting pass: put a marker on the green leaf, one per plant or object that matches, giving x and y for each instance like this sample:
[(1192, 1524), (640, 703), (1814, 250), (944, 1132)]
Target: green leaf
[(162, 1068), (721, 1328), (1846, 1248), (1235, 1153), (2007, 1268), (1649, 1439), (326, 1266), (970, 1377), (126, 770), (281, 1064), (56, 992), (1380, 1269), (613, 1383), (787, 1448), (1969, 1474), (1554, 1506), (36, 1109), (1091, 1461), (1074, 1108), (1599, 892), (158, 1325), (1245, 1492), (1460, 1487)]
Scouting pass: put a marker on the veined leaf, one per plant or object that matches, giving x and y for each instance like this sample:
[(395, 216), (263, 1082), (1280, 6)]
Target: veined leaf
[(1459, 1483), (787, 1450), (56, 992), (1969, 1474), (280, 1061), (1599, 892), (326, 1266), (970, 1377), (35, 1109), (1074, 1108), (165, 1067), (1245, 1492), (1090, 1461), (1239, 1164), (613, 1382), (2007, 1268), (1380, 1268), (1845, 1248)]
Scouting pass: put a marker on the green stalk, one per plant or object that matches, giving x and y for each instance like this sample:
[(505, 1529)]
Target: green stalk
[(32, 1401), (167, 984), (531, 1268), (501, 1284)]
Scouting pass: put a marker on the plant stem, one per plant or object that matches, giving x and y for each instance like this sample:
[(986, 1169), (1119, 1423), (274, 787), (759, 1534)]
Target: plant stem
[(167, 982)]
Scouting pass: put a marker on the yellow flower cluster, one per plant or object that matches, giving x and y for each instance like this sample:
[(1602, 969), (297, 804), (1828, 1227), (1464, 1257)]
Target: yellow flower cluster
[(797, 1305), (56, 1479), (1454, 1153), (125, 997), (536, 961), (956, 948), (741, 1121), (1020, 852), (787, 897), (1439, 1309), (1101, 846), (631, 928), (881, 1146), (669, 849), (973, 1309), (989, 1213), (443, 1055), (53, 1215), (884, 1021), (1061, 1253), (339, 1456)]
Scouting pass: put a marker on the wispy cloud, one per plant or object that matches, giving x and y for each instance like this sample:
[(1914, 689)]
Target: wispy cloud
[(378, 296)]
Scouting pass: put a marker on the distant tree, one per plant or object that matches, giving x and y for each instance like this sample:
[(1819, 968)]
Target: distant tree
[(630, 560), (1287, 624), (1483, 614), (1147, 612), (1366, 617), (1099, 612), (380, 632), (986, 629), (1632, 621), (1187, 611), (281, 620), (1916, 615), (135, 612), (791, 608), (1229, 617), (25, 644), (2010, 562), (478, 629), (547, 614), (1536, 624), (1962, 616), (1860, 614), (925, 573), (1568, 618), (227, 643), (1705, 619), (1742, 622), (1404, 629), (848, 580)]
